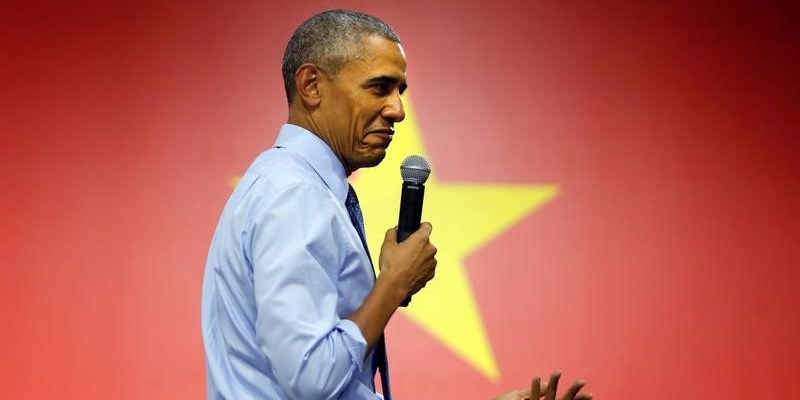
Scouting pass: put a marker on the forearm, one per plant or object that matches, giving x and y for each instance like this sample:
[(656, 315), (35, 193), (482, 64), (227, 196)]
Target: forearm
[(379, 306)]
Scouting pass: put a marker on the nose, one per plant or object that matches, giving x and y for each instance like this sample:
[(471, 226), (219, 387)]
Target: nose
[(393, 109)]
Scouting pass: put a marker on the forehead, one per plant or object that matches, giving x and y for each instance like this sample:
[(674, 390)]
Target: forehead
[(377, 56)]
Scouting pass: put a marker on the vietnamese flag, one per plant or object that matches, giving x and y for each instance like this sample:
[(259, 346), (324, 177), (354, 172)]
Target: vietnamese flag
[(615, 191)]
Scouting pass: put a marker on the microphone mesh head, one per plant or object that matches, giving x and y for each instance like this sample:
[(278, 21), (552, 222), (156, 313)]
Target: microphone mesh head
[(415, 169)]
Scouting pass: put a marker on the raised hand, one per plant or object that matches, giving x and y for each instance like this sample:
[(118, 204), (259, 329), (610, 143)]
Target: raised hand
[(546, 390), (550, 389)]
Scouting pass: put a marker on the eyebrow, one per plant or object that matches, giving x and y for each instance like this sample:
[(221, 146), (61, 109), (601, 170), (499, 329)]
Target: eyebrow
[(392, 80)]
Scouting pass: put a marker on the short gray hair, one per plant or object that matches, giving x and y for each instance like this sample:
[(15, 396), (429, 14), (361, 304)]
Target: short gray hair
[(329, 40)]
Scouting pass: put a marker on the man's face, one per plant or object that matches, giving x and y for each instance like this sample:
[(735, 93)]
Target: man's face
[(362, 103)]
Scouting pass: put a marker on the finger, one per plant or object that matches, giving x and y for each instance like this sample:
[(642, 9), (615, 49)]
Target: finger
[(584, 396), (535, 386), (543, 388), (552, 386), (425, 279), (573, 390)]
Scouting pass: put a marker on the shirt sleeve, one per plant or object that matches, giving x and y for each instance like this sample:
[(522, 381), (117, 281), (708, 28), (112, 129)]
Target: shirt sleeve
[(297, 248)]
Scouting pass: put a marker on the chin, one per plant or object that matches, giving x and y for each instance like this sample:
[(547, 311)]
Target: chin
[(373, 159)]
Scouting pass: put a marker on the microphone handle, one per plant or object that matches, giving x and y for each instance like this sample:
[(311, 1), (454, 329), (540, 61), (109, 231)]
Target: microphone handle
[(410, 214)]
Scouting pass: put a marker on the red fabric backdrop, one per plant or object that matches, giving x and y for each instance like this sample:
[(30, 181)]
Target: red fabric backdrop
[(666, 266)]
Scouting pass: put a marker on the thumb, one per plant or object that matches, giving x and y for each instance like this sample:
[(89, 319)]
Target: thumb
[(391, 235), (424, 230)]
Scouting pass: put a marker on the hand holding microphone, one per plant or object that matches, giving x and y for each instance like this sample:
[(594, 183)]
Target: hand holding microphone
[(407, 252), (415, 170)]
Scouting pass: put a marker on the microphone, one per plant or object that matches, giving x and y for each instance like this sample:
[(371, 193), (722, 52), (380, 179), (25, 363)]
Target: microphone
[(415, 170)]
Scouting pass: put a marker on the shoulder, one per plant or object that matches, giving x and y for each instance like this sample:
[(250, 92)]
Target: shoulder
[(277, 174), (278, 184), (279, 168)]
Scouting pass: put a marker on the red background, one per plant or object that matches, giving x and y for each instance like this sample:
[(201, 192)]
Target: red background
[(666, 267)]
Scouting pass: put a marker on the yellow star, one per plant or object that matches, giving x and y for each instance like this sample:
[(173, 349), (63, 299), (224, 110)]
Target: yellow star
[(464, 217)]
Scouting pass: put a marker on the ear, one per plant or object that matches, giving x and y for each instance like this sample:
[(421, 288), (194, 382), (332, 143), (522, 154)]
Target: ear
[(307, 82)]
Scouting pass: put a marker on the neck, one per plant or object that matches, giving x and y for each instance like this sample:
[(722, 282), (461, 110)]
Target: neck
[(306, 121)]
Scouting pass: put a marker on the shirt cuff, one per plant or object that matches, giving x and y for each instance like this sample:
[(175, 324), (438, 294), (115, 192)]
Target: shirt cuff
[(354, 341)]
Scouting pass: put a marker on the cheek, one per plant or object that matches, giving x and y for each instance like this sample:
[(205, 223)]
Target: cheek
[(370, 112)]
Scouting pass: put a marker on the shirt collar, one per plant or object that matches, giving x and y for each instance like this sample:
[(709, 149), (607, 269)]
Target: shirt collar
[(318, 154)]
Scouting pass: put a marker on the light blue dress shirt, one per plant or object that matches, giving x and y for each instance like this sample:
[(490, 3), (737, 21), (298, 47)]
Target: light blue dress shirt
[(285, 268)]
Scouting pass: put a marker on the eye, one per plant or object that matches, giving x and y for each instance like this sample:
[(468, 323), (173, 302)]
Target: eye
[(381, 88)]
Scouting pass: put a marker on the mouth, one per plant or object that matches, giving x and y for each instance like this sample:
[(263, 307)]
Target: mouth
[(385, 133)]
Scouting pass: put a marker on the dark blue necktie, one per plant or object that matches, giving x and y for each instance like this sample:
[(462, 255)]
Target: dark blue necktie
[(357, 219)]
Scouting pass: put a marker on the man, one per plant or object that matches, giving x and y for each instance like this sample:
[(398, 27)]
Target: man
[(291, 306)]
